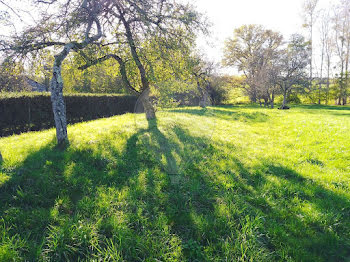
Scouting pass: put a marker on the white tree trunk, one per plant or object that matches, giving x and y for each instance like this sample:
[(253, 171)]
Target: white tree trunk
[(58, 105)]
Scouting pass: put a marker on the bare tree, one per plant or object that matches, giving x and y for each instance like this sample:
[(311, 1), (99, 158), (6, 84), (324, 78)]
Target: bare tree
[(294, 60), (324, 37), (341, 21), (327, 48), (251, 50), (266, 79), (310, 17), (202, 71)]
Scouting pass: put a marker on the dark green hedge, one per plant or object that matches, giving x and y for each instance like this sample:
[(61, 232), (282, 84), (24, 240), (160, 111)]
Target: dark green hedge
[(32, 111)]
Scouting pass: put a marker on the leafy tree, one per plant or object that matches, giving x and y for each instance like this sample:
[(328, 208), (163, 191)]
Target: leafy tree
[(11, 77), (135, 23), (219, 89), (71, 25)]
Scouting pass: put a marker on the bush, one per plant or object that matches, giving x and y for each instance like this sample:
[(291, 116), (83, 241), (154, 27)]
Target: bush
[(173, 93), (294, 99), (21, 112)]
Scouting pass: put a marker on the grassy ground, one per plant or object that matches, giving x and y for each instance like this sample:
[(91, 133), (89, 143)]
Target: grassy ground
[(225, 184)]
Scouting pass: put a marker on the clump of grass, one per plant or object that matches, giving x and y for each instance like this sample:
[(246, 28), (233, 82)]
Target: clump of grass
[(226, 184), (11, 247)]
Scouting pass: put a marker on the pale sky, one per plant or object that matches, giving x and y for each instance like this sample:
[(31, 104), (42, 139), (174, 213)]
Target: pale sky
[(284, 16)]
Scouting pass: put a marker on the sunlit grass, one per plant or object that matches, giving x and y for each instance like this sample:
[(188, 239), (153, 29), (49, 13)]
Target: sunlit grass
[(222, 184)]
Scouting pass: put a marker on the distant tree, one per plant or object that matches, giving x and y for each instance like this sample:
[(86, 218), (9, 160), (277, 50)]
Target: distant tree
[(12, 77), (267, 80), (341, 20), (310, 17), (202, 71), (328, 38), (293, 62), (326, 53), (219, 89), (252, 50)]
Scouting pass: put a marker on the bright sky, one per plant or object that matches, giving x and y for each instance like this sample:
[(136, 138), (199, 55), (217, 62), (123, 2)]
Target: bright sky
[(284, 16)]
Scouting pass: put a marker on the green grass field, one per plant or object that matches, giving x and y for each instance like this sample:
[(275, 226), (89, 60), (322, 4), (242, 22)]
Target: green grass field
[(223, 184)]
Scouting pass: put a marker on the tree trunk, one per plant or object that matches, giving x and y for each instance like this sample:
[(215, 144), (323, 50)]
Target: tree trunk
[(272, 99), (284, 99), (0, 157), (328, 74), (265, 101), (204, 101), (253, 95), (147, 105), (58, 105), (321, 76)]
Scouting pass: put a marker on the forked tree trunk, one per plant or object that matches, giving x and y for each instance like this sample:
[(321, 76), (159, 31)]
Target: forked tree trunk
[(284, 99)]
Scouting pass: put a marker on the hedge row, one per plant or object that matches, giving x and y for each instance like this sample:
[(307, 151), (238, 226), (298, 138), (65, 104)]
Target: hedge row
[(33, 112)]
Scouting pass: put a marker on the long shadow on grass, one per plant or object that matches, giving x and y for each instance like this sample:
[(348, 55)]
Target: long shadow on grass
[(100, 201), (46, 197), (222, 113), (52, 198), (310, 222), (325, 107)]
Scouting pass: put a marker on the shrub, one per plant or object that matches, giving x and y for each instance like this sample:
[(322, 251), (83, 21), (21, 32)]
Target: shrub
[(219, 89), (21, 112)]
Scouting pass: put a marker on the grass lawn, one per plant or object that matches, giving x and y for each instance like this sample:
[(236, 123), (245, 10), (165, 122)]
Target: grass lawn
[(223, 184)]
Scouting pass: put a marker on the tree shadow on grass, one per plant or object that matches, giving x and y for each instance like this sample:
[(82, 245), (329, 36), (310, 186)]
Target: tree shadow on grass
[(104, 202), (329, 110), (223, 113), (324, 107), (54, 194)]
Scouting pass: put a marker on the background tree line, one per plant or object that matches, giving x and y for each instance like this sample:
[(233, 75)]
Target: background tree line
[(311, 69)]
